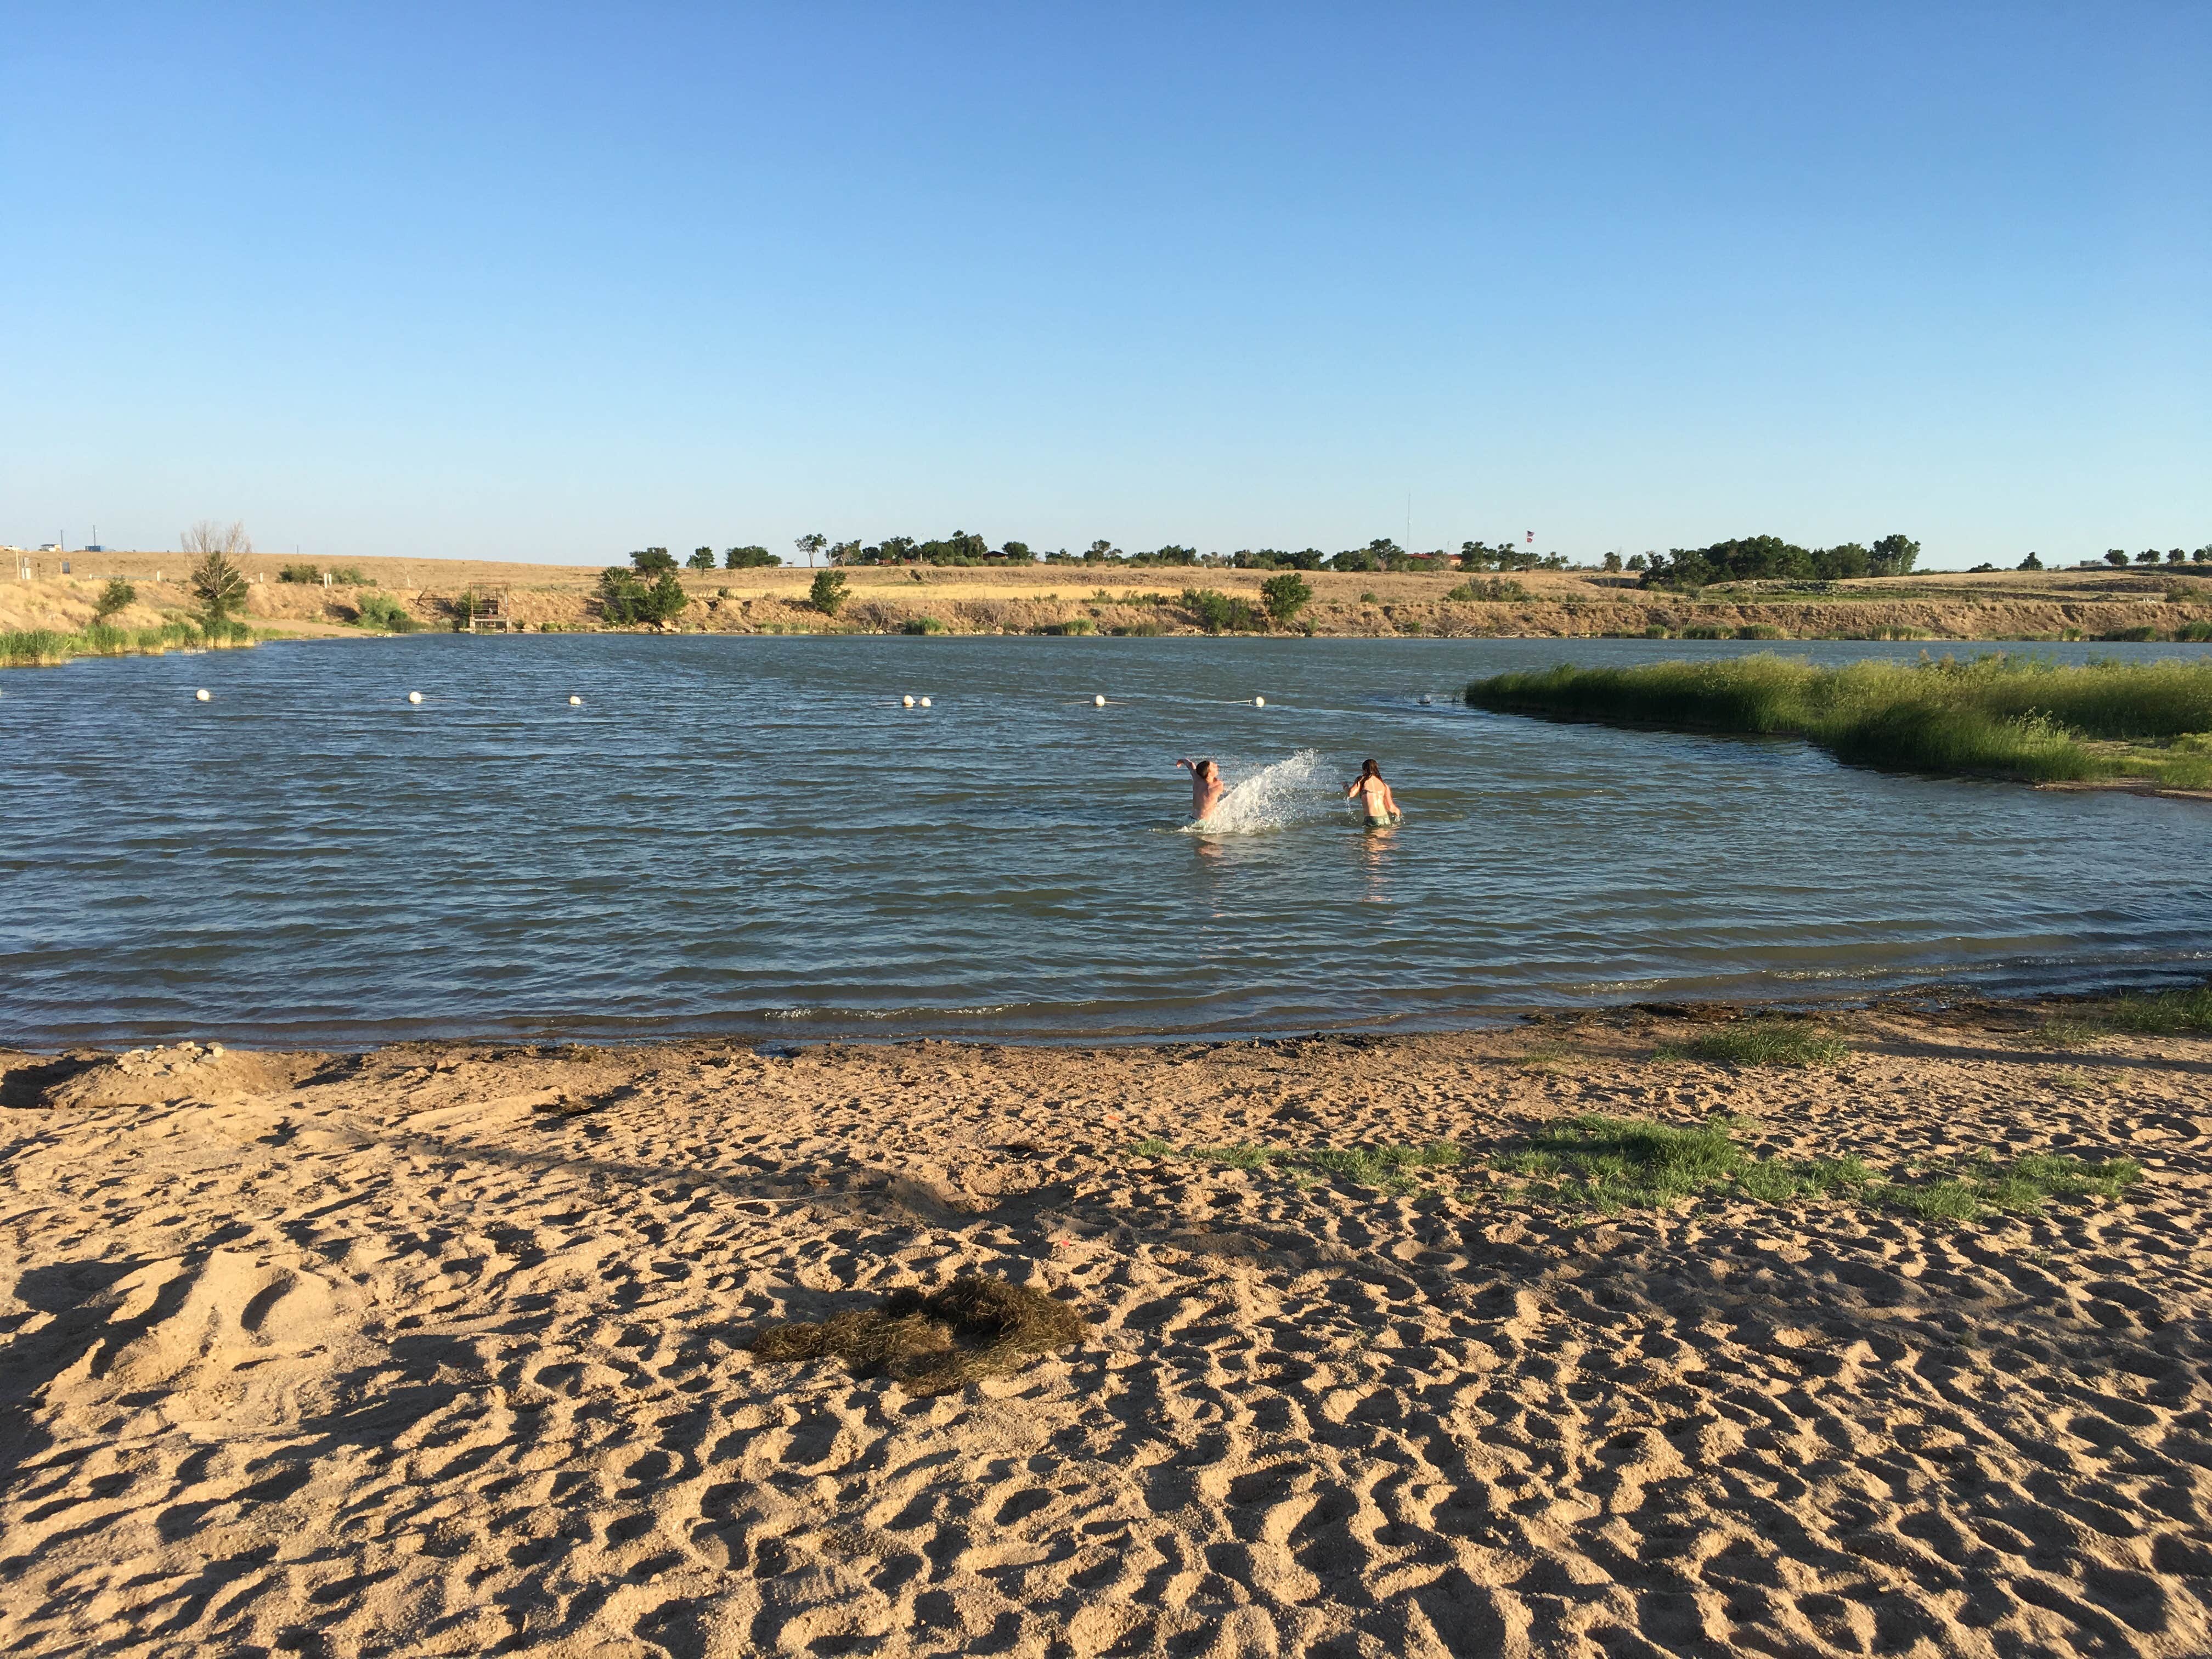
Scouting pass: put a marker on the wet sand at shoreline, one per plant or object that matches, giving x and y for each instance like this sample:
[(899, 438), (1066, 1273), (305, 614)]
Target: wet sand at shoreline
[(442, 1349)]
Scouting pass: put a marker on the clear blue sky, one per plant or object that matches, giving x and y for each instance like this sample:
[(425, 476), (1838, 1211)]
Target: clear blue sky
[(553, 282)]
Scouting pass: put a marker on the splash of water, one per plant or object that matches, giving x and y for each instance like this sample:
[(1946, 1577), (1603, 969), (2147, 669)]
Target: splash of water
[(1271, 798)]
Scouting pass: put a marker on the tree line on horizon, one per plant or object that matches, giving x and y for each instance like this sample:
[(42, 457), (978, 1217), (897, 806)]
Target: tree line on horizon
[(1748, 558)]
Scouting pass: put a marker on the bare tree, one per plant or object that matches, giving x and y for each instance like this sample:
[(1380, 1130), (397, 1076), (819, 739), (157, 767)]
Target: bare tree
[(208, 536), (219, 585), (812, 544)]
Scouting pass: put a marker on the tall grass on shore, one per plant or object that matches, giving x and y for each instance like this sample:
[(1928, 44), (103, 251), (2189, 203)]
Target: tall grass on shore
[(44, 647), (1996, 716)]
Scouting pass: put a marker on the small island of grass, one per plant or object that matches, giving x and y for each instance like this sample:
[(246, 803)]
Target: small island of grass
[(2143, 723)]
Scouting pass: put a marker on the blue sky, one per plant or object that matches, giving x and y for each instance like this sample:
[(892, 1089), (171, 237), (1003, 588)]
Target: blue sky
[(553, 283)]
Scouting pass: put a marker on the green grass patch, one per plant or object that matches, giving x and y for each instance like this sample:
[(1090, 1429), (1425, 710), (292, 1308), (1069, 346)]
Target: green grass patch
[(1761, 1042), (1968, 1190), (2064, 1034), (1997, 715), (923, 625), (1611, 1162), (2163, 1013), (1392, 1169)]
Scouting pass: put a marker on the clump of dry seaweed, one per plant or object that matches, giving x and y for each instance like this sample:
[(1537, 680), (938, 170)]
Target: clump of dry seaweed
[(973, 1327)]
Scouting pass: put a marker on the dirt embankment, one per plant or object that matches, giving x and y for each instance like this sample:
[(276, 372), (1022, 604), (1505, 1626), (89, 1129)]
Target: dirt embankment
[(1566, 604)]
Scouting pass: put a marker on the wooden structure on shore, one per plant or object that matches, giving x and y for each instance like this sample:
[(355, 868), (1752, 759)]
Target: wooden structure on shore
[(490, 611)]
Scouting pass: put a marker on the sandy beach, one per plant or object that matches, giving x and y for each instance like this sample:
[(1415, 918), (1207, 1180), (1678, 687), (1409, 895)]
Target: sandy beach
[(445, 1350)]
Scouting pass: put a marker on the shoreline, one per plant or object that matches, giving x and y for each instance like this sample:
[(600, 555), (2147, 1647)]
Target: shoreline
[(1925, 998), (441, 1348)]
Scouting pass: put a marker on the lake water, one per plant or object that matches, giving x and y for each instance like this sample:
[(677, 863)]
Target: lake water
[(749, 837)]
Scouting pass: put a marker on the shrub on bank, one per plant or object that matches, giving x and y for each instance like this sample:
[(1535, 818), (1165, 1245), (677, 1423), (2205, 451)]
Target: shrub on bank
[(1217, 613), (626, 598), (1496, 590), (382, 610)]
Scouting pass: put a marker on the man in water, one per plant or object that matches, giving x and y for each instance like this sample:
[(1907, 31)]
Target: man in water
[(1375, 797), (1205, 789)]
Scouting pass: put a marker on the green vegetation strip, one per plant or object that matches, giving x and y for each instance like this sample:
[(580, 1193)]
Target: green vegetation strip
[(2158, 1013), (1594, 1161), (1997, 716), (1761, 1042), (44, 647)]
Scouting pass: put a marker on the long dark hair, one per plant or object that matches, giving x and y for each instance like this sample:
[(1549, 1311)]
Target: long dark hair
[(1368, 768)]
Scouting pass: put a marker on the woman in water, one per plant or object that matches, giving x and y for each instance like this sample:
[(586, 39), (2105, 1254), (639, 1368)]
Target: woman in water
[(1205, 790), (1375, 797)]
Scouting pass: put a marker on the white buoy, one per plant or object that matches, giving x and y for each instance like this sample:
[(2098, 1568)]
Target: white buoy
[(414, 697), (1099, 701), (201, 694), (1426, 699), (1259, 702), (924, 702), (906, 701), (575, 702)]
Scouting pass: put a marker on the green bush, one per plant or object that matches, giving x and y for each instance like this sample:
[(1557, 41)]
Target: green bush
[(382, 610), (924, 625), (1217, 613), (1285, 595), (626, 599), (1760, 631), (2194, 630), (301, 573), (1496, 590), (219, 585), (349, 576), (748, 558), (1078, 625), (113, 597), (827, 595)]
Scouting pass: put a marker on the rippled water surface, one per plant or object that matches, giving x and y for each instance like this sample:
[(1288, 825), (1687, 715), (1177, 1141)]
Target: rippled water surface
[(750, 835)]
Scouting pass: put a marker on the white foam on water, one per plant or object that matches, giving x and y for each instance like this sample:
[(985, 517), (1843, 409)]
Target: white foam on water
[(1274, 798)]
